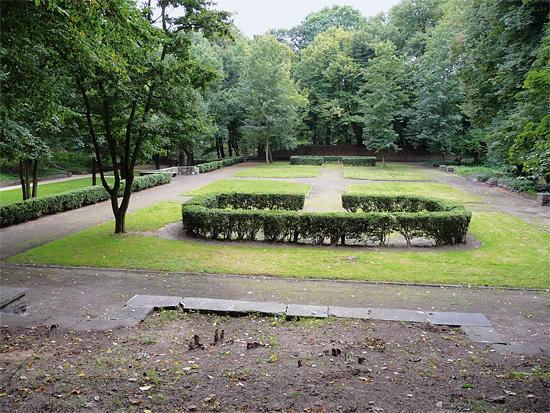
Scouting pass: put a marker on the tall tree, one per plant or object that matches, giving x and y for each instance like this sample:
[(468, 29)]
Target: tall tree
[(382, 99), (273, 97)]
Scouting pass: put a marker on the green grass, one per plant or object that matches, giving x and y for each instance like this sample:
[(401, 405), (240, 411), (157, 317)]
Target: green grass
[(434, 190), (14, 195), (251, 186), (281, 164), (513, 254), (286, 172), (382, 174)]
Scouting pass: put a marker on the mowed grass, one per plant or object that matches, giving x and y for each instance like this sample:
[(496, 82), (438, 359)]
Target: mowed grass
[(281, 164), (394, 172), (513, 254), (429, 189), (285, 172), (15, 195), (251, 186)]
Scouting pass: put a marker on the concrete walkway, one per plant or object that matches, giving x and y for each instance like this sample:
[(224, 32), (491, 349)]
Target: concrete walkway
[(71, 296)]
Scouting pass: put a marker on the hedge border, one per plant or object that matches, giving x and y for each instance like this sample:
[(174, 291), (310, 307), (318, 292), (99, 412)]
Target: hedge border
[(346, 160), (34, 208), (212, 166), (445, 222)]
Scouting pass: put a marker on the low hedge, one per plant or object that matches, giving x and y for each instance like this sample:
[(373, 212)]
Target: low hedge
[(34, 208), (346, 160), (212, 166), (445, 222)]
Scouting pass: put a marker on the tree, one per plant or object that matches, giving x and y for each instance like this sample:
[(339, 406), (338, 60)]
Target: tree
[(382, 99), (273, 97)]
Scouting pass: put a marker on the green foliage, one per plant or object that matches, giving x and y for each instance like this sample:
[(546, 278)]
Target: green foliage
[(359, 160), (212, 166), (306, 160), (51, 204), (346, 160), (247, 216)]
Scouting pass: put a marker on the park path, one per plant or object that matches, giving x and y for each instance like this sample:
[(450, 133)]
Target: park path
[(326, 191), (66, 295)]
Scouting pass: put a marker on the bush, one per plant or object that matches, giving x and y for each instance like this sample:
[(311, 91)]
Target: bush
[(212, 166), (346, 160), (34, 208), (277, 219)]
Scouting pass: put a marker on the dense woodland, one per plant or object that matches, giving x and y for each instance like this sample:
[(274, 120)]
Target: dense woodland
[(125, 81)]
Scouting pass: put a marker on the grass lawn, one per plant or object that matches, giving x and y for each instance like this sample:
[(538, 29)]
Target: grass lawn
[(281, 164), (281, 172), (513, 254), (384, 174), (434, 190), (251, 186), (14, 195)]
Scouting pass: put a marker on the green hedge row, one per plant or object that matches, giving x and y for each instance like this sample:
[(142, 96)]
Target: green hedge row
[(212, 166), (346, 160), (34, 208), (443, 221)]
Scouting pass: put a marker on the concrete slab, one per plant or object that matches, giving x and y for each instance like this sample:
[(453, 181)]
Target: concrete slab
[(96, 324), (23, 321), (483, 335), (207, 304), (156, 301), (346, 312), (248, 307), (298, 310), (9, 294), (458, 319), (132, 313), (525, 350), (398, 315)]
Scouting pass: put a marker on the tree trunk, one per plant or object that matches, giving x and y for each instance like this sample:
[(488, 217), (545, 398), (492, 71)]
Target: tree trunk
[(443, 159), (94, 172), (384, 160), (27, 179), (35, 178), (22, 179), (267, 149), (120, 222), (156, 158), (190, 157), (327, 138)]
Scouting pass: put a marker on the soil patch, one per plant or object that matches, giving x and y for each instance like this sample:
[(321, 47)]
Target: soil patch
[(181, 362)]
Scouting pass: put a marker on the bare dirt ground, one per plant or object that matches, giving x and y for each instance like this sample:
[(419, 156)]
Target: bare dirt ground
[(179, 362)]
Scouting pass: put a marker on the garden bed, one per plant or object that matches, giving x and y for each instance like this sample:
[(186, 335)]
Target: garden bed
[(370, 219)]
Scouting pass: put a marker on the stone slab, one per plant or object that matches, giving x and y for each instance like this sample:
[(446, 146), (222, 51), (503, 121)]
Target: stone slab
[(248, 307), (298, 310), (207, 304), (132, 313), (96, 324), (23, 321), (398, 315), (483, 335), (458, 319), (347, 312), (156, 301), (526, 350), (9, 294)]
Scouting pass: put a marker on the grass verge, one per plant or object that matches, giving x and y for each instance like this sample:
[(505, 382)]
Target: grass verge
[(279, 173), (250, 186), (381, 174), (513, 254), (14, 195), (434, 190)]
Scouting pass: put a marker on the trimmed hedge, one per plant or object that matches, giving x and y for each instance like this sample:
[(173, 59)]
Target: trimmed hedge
[(34, 208), (212, 166), (346, 160), (445, 222)]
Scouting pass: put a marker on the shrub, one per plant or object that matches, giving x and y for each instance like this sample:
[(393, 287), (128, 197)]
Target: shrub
[(220, 163), (346, 160), (247, 216), (306, 160), (359, 160), (34, 208)]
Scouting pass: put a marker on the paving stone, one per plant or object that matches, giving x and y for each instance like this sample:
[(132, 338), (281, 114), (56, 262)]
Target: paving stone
[(458, 319), (23, 321), (156, 301), (132, 313), (96, 324), (9, 294), (298, 310), (483, 335), (248, 307), (525, 350), (207, 304), (398, 315), (346, 312)]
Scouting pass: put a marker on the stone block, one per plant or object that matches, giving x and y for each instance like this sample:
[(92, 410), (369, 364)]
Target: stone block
[(298, 310), (458, 319), (398, 315), (483, 335), (155, 301), (346, 312), (249, 307), (132, 313), (9, 294), (207, 304), (96, 324), (543, 199)]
